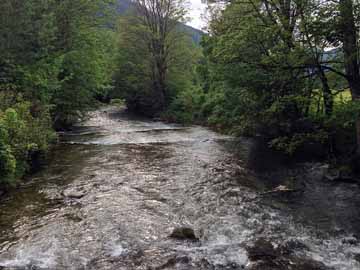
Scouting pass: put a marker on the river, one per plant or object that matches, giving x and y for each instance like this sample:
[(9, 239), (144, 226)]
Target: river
[(117, 187)]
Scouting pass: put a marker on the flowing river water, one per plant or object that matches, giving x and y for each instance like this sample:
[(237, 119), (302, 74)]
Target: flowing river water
[(118, 186)]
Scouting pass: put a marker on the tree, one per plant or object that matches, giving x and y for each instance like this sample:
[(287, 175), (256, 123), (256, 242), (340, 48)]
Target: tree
[(349, 36), (151, 43), (55, 59), (335, 24), (84, 45), (273, 62)]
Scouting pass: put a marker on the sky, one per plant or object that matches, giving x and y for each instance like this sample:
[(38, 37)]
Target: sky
[(196, 9)]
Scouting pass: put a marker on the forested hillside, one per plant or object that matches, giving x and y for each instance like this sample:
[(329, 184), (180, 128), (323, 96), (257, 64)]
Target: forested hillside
[(125, 6)]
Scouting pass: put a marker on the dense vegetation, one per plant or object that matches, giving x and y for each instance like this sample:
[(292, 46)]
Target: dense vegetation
[(124, 7), (285, 70), (54, 61), (156, 57)]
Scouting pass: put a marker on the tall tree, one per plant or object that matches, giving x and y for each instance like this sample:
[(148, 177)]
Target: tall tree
[(151, 34), (349, 36), (83, 46)]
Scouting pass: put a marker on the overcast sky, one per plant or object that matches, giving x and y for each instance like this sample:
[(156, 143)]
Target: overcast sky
[(196, 9)]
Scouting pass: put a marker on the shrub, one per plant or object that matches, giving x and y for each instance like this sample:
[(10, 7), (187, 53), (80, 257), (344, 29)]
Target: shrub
[(117, 102), (7, 159), (186, 106), (29, 135)]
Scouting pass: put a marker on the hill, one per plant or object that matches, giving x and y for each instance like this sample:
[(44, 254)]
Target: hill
[(123, 6)]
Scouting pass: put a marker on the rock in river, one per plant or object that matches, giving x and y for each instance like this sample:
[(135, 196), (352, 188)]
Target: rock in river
[(184, 233), (74, 194)]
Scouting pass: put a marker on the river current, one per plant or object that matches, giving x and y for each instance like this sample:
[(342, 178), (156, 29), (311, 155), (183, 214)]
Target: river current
[(117, 187)]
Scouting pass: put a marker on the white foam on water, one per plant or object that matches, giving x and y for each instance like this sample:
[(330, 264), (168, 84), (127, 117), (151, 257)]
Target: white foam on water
[(43, 257), (333, 252), (116, 249)]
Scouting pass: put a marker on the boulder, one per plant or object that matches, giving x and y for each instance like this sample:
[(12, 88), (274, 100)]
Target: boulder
[(265, 256), (351, 240), (357, 257), (291, 246), (341, 174), (184, 233), (262, 250)]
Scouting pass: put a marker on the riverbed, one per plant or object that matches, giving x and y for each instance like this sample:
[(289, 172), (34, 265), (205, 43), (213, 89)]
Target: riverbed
[(117, 187)]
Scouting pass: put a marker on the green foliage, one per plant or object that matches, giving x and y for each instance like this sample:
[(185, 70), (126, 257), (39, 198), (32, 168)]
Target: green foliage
[(56, 59), (268, 74), (7, 159), (155, 63), (86, 58), (225, 109), (186, 106), (118, 102), (345, 115), (57, 52), (28, 135), (292, 143)]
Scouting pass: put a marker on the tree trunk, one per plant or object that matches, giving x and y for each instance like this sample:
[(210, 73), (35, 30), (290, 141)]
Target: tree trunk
[(351, 55), (327, 96), (161, 73)]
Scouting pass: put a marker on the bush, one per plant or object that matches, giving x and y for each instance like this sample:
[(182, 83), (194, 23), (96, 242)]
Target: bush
[(29, 135), (230, 110), (186, 106), (117, 102), (7, 159)]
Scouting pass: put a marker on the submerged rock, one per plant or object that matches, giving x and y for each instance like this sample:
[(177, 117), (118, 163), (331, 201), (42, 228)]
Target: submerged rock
[(74, 194), (262, 249), (184, 233), (282, 189), (341, 174), (171, 263), (265, 256), (291, 246), (351, 240)]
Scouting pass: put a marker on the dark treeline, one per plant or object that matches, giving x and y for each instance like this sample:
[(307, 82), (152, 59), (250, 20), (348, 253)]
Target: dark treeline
[(285, 70)]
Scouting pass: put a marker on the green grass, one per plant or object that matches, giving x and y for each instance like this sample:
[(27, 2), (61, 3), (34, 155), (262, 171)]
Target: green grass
[(117, 102), (317, 103)]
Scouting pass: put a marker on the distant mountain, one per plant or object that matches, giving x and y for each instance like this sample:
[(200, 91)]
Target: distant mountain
[(195, 34), (123, 6)]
